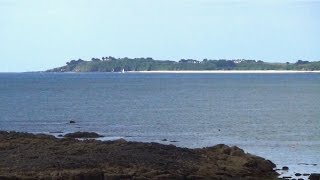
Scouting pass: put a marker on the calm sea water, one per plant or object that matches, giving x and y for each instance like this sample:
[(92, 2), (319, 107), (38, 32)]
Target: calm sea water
[(276, 116)]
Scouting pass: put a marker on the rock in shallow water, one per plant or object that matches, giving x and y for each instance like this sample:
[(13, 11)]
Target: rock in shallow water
[(82, 135)]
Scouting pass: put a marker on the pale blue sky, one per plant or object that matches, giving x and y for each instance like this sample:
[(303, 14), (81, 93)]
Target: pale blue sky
[(42, 34)]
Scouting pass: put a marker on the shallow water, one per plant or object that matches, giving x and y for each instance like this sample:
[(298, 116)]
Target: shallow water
[(272, 115)]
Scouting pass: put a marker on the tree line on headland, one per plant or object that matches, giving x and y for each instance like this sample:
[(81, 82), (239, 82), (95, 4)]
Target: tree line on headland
[(112, 64)]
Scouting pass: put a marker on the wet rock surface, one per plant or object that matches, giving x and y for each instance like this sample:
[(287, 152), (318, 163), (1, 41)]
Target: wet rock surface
[(29, 156), (314, 176), (82, 135), (285, 168)]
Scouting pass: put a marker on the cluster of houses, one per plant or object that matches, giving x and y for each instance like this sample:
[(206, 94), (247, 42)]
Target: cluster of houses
[(192, 61)]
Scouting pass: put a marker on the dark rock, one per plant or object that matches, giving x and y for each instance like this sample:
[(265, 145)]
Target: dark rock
[(307, 164), (303, 164), (195, 177), (60, 135), (120, 141), (174, 141), (55, 132), (29, 156), (164, 140), (286, 177), (117, 177), (150, 174), (297, 174), (82, 135), (235, 151), (89, 176), (314, 176), (285, 168), (169, 176), (72, 122), (306, 174)]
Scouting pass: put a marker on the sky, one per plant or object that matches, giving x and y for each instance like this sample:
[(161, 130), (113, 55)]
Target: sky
[(38, 35)]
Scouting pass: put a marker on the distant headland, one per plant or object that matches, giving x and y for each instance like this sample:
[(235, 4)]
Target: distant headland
[(112, 64)]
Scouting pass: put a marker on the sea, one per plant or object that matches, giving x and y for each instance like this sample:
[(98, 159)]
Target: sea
[(276, 116)]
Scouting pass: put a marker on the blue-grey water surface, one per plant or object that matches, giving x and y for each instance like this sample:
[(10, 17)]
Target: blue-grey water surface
[(276, 116)]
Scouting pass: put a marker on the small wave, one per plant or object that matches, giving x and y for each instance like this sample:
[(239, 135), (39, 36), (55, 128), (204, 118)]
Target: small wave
[(110, 138)]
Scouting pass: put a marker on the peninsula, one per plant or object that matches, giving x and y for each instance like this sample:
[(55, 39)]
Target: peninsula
[(112, 64)]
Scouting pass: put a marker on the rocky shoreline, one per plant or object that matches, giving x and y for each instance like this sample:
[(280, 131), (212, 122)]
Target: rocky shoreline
[(30, 156)]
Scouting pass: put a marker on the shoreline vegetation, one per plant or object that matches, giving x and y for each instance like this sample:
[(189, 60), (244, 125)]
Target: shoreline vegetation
[(112, 64), (39, 156)]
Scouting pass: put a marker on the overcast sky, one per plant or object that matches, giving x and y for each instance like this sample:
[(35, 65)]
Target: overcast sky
[(42, 34)]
